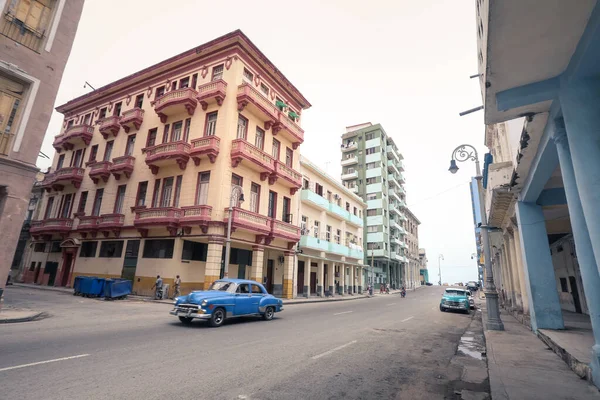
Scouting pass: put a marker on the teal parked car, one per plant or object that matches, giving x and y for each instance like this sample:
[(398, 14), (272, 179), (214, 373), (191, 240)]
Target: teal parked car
[(455, 299)]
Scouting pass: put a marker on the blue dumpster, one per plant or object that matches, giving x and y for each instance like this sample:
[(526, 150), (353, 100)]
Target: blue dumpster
[(77, 285), (97, 287), (85, 287), (117, 288)]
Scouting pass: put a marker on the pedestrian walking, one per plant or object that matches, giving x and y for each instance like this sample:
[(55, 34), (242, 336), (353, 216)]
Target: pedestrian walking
[(159, 286), (176, 287)]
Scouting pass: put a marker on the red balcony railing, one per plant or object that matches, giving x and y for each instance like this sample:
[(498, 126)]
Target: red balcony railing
[(283, 230), (132, 119), (111, 223), (88, 224), (205, 146), (51, 226), (165, 154), (290, 129), (289, 177), (248, 220), (175, 102), (64, 176), (196, 215), (109, 126), (100, 170), (212, 92), (122, 165), (256, 159), (165, 217), (77, 134), (258, 104)]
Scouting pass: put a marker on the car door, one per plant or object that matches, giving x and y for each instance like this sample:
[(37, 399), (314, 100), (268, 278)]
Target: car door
[(243, 300), (257, 295)]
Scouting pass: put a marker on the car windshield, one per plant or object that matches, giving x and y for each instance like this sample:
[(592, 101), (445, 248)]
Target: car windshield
[(455, 292), (221, 286)]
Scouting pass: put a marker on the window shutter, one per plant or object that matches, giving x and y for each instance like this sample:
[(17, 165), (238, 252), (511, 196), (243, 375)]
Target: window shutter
[(34, 16), (22, 10)]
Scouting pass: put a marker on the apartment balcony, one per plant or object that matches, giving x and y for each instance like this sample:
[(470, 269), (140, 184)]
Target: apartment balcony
[(314, 243), (401, 216), (111, 223), (63, 177), (401, 190), (393, 183), (349, 161), (338, 249), (400, 165), (110, 126), (356, 252), (376, 253), (391, 166), (175, 102), (158, 217), (349, 147), (73, 136), (403, 245), (350, 175), (395, 210), (249, 221), (354, 189), (402, 204), (212, 93), (289, 129), (253, 157), (258, 105), (285, 231), (132, 119), (392, 153), (100, 170), (122, 166), (207, 146), (288, 177), (50, 226), (308, 195), (395, 196), (199, 215), (395, 225), (401, 179), (88, 224), (167, 154)]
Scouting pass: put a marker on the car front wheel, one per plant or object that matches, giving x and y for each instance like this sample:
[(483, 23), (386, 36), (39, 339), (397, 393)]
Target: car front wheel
[(442, 308), (269, 313), (185, 320), (217, 318)]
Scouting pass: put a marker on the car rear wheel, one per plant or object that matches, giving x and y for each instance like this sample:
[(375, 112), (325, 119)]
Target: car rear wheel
[(217, 318), (185, 320), (269, 313)]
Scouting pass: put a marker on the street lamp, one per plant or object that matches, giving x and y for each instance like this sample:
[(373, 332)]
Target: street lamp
[(466, 152), (237, 197), (440, 258)]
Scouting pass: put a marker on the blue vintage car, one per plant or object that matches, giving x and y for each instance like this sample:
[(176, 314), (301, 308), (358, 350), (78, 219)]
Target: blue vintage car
[(455, 299), (227, 298)]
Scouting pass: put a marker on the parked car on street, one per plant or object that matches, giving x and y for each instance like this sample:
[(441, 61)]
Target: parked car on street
[(455, 299), (471, 299), (227, 298), (472, 286), (429, 283)]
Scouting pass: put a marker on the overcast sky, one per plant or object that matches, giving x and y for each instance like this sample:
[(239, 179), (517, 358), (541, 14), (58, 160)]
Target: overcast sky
[(404, 64)]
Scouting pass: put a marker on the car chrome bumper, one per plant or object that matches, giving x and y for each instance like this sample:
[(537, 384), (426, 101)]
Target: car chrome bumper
[(455, 307), (189, 315)]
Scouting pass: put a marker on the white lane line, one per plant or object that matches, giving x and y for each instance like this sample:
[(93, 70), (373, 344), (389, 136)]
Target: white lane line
[(343, 312), (406, 319), (332, 350), (42, 362), (391, 304)]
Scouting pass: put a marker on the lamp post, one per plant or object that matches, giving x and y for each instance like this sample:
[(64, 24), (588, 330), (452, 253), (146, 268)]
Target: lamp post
[(466, 152), (440, 258), (237, 196)]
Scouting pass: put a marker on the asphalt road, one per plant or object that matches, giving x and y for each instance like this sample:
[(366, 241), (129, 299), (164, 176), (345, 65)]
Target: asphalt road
[(385, 347)]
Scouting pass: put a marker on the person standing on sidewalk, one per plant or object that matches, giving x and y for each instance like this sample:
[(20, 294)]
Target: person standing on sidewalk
[(158, 285), (176, 287)]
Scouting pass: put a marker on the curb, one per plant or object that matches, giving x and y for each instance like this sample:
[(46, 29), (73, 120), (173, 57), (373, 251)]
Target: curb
[(44, 288), (582, 370), (32, 317)]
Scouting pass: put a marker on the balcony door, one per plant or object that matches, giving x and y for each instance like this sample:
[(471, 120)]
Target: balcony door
[(167, 191), (272, 204)]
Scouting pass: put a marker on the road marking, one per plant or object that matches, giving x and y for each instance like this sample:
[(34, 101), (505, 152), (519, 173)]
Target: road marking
[(406, 319), (343, 312), (391, 304), (42, 362), (332, 350)]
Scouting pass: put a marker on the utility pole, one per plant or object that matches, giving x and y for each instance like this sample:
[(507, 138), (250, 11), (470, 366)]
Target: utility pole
[(372, 272)]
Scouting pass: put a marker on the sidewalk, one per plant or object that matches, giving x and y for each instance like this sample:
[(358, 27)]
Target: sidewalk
[(521, 366), (41, 287)]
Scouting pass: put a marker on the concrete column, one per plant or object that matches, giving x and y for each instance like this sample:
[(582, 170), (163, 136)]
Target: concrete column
[(258, 259), (506, 263), (583, 244), (331, 277), (343, 287), (307, 268), (521, 271), (212, 270), (320, 278), (515, 271), (360, 279), (539, 272), (288, 274), (352, 286)]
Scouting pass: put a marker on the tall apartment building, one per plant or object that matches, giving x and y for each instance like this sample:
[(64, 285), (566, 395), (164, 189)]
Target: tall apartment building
[(372, 168), (148, 167), (411, 225), (331, 246), (35, 42)]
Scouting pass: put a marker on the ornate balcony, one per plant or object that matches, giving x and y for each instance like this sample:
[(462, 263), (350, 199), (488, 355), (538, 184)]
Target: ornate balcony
[(111, 223), (64, 176), (132, 119), (109, 126), (88, 224), (165, 154), (255, 158), (50, 226), (75, 135), (289, 177), (212, 92), (249, 221), (290, 129), (205, 146), (159, 217), (257, 104), (175, 102), (195, 215), (100, 170), (122, 165), (283, 230)]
